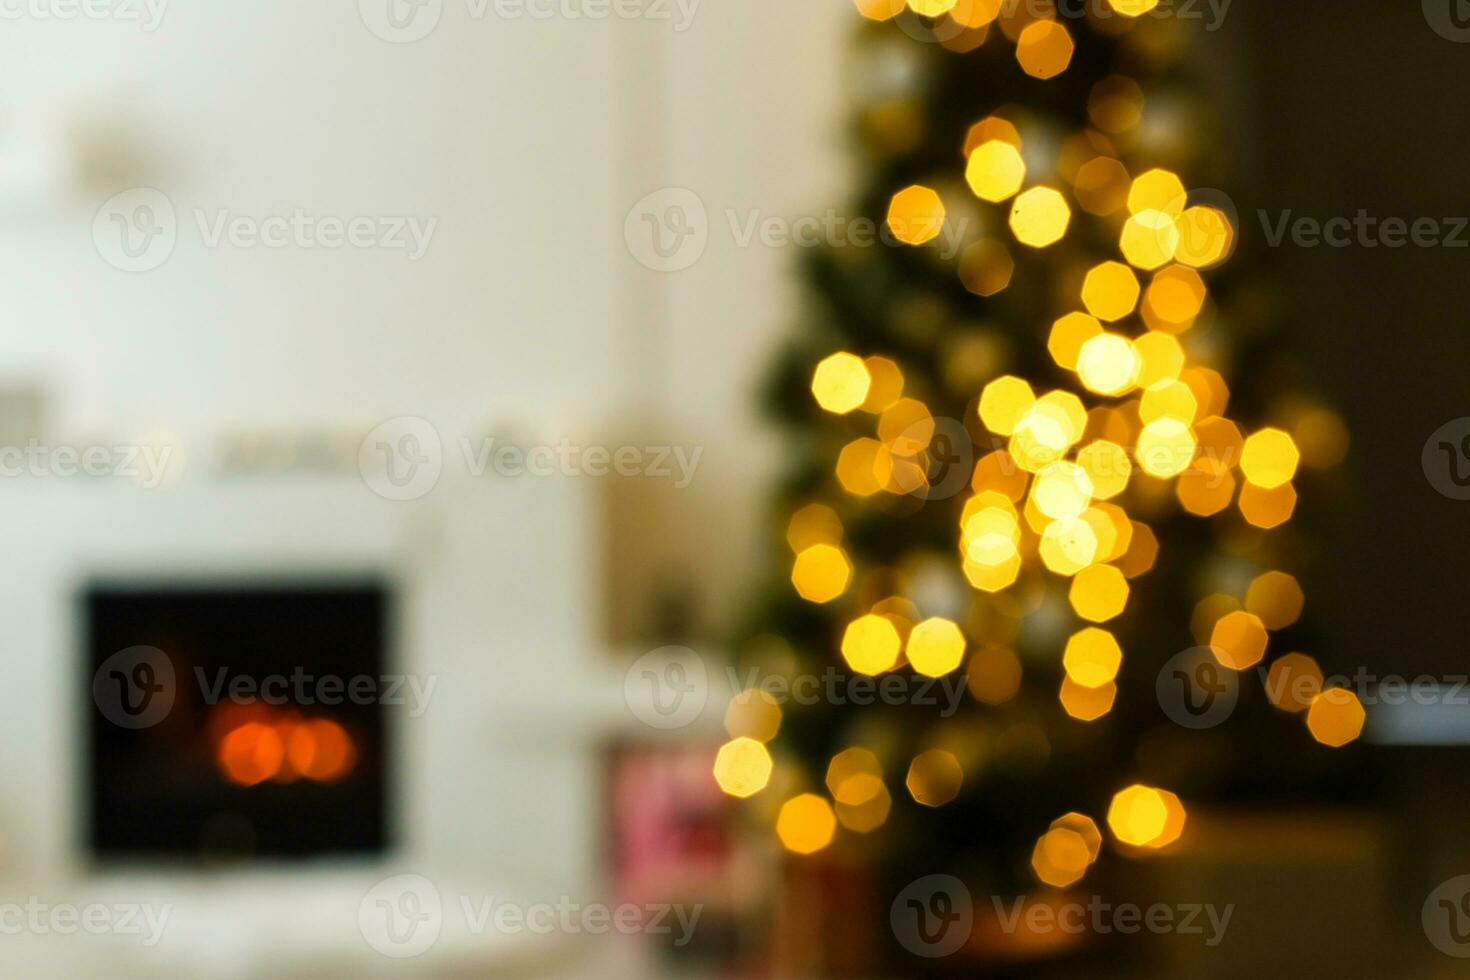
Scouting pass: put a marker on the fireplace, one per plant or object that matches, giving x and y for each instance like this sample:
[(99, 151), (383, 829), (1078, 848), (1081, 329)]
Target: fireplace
[(237, 722)]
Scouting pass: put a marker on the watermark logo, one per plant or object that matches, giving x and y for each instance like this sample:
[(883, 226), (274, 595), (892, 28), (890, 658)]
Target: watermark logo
[(668, 230), (402, 458), (667, 688), (1446, 459), (1195, 690), (135, 688), (401, 21), (407, 21), (1450, 19), (1446, 917), (136, 230), (1100, 917), (933, 916), (402, 916), (148, 14), (41, 918)]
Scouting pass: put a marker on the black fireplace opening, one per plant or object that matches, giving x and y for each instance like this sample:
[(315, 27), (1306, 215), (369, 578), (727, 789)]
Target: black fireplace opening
[(232, 723)]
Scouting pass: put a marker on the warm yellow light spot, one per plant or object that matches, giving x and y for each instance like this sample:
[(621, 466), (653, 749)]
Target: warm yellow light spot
[(1165, 448), (1205, 237), (1276, 598), (1173, 822), (995, 171), (1209, 611), (1086, 703), (993, 675), (1039, 216), (1044, 49), (1149, 239), (1293, 682), (1239, 640), (1269, 458), (885, 384), (1219, 438), (864, 467), (1107, 466), (821, 573), (1174, 299), (753, 714), (1133, 8), (934, 778), (1335, 717), (992, 578), (1143, 551), (1106, 532), (841, 382), (991, 127), (1157, 190), (806, 824), (1168, 400), (1062, 490), (1138, 815), (1110, 291), (1267, 508), (990, 536), (916, 215), (936, 646), (1206, 488), (1068, 411), (997, 471), (1092, 657), (1115, 105), (1161, 358), (1099, 593), (811, 525), (1108, 364), (869, 815), (1004, 403), (854, 776), (1068, 334), (870, 644), (906, 427), (1101, 186), (1322, 438), (931, 8), (986, 267), (743, 767), (1060, 857), (975, 14), (1068, 546), (1086, 828), (880, 10)]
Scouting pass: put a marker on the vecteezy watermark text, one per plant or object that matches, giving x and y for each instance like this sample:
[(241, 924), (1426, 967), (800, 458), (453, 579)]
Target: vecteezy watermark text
[(1363, 230), (38, 917), (148, 14), (407, 21), (402, 917), (148, 465)]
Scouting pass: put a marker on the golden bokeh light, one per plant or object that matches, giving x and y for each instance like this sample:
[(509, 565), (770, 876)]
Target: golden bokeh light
[(1239, 640), (1276, 598), (1160, 356), (934, 778), (1107, 466), (880, 10), (1336, 717), (743, 767), (854, 776), (935, 647), (906, 427), (1206, 488), (1067, 336), (868, 816), (1165, 448), (1138, 815), (806, 824), (1322, 438), (1092, 657), (1068, 546), (1115, 105), (841, 383), (870, 644), (1168, 399), (1060, 858), (1062, 490), (1157, 190), (1110, 291), (995, 171), (986, 267), (1174, 820), (993, 675), (1099, 593), (1205, 237), (885, 384), (1044, 49), (1086, 703), (1133, 8), (1174, 298), (1149, 239), (916, 215), (864, 467), (1269, 459), (753, 714), (1108, 364), (812, 525), (1293, 682), (1086, 828), (1143, 551), (1267, 508), (1039, 217), (1101, 186), (998, 472), (975, 14), (821, 573), (1004, 403), (991, 127)]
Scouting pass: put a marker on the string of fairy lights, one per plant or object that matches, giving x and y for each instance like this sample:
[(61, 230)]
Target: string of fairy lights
[(1146, 419)]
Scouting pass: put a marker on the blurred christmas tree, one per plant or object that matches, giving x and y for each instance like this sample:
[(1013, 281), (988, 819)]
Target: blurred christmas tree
[(1014, 469)]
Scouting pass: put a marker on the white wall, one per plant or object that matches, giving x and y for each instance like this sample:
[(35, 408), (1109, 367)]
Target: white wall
[(528, 140)]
